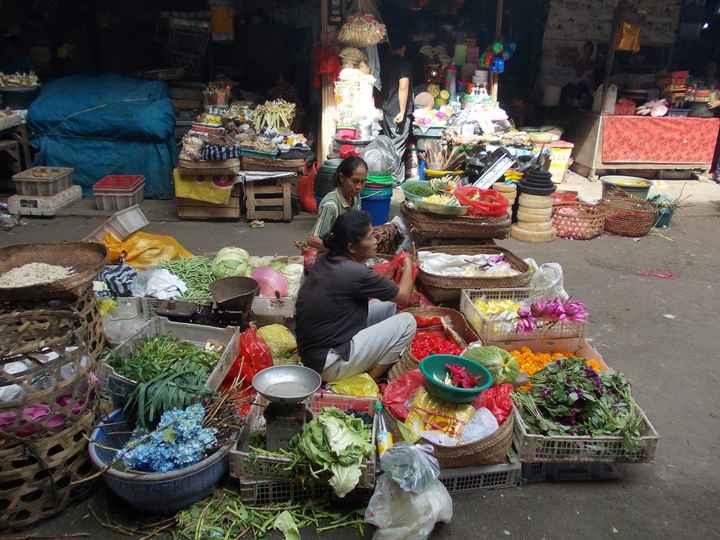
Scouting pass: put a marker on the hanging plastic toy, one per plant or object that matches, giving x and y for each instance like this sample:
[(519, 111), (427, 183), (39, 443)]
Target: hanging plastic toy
[(497, 47), (498, 65)]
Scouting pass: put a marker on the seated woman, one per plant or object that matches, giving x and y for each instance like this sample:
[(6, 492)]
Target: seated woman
[(340, 331), (350, 178)]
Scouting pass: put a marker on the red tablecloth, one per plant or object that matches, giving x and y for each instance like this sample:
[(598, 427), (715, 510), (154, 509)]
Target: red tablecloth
[(642, 139)]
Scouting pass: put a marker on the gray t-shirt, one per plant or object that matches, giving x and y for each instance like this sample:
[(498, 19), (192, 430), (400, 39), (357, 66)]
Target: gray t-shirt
[(332, 307)]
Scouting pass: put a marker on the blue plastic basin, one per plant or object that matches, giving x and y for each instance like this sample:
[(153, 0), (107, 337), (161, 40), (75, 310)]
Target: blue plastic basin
[(155, 492)]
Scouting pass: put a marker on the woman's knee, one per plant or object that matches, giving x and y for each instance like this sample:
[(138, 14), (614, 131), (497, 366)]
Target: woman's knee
[(408, 323)]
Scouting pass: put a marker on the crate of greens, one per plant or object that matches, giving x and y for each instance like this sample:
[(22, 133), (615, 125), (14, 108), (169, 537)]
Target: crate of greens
[(572, 413), (166, 360), (250, 461)]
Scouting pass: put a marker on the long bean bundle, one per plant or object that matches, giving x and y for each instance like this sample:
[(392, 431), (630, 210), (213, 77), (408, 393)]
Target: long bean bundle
[(197, 274)]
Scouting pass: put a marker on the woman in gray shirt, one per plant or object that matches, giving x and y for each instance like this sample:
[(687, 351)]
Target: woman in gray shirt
[(345, 317)]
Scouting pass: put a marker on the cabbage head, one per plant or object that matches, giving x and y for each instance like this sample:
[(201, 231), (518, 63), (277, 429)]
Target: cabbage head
[(499, 362), (231, 262)]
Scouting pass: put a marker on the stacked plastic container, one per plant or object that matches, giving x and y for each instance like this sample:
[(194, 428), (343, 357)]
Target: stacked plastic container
[(42, 191), (118, 192)]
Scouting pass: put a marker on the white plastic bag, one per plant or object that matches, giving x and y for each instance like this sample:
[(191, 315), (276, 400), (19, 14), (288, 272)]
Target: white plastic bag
[(158, 283), (548, 276), (403, 515), (412, 466), (381, 157)]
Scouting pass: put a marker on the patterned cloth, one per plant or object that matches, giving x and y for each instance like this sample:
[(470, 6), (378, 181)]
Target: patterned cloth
[(118, 278), (658, 140), (213, 152)]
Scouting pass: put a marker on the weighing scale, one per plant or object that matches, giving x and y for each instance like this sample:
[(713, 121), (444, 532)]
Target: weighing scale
[(232, 300), (287, 389)]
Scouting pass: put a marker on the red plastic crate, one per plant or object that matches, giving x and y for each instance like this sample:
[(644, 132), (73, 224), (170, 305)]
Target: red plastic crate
[(119, 182)]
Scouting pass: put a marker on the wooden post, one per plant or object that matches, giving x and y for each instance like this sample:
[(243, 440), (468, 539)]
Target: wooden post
[(495, 77), (327, 96)]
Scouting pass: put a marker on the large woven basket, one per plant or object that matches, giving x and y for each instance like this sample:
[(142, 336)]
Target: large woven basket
[(84, 257), (489, 451), (447, 289), (458, 323), (627, 216), (578, 221), (426, 227), (38, 475), (86, 307), (46, 375)]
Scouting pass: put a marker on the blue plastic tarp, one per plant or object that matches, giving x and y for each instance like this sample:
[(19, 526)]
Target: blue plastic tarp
[(102, 125)]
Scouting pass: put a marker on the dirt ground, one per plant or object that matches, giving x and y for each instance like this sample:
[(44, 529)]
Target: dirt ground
[(660, 332)]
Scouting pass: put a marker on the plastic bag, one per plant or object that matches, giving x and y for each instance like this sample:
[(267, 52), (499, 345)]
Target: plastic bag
[(280, 340), (428, 413), (481, 202), (381, 157), (158, 283), (361, 385), (306, 190), (497, 400), (401, 515), (254, 355), (393, 270), (400, 391), (143, 250), (548, 276), (412, 466)]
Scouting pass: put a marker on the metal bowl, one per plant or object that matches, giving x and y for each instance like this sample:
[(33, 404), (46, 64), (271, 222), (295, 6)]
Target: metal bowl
[(286, 384)]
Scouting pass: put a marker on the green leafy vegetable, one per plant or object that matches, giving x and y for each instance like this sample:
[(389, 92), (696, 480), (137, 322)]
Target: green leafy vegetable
[(158, 354), (285, 523), (336, 442), (570, 398)]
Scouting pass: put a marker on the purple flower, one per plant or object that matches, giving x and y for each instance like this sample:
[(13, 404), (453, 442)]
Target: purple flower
[(525, 325), (538, 308), (575, 310), (555, 310)]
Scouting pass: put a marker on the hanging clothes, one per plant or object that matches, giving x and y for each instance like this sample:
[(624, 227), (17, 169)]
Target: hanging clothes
[(373, 57)]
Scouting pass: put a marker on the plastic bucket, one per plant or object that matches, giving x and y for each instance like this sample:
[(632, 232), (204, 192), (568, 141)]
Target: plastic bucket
[(379, 181), (376, 201), (664, 217)]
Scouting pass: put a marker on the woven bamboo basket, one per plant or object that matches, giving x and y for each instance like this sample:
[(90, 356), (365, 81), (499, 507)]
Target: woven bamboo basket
[(37, 475), (627, 216), (46, 375), (447, 289), (426, 226), (489, 451), (89, 321), (458, 323), (578, 221), (84, 257)]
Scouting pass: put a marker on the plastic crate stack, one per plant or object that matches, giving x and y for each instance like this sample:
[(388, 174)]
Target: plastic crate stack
[(118, 192), (557, 458), (42, 191)]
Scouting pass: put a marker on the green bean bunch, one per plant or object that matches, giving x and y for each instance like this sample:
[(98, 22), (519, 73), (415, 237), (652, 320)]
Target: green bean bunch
[(197, 274)]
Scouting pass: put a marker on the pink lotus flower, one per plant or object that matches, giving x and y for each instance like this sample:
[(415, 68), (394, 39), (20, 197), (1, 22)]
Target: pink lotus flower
[(538, 308), (7, 418), (525, 325), (575, 311), (36, 412)]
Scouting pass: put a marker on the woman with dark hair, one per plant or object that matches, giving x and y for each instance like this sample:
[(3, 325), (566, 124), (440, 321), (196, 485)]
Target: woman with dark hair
[(345, 315), (350, 178)]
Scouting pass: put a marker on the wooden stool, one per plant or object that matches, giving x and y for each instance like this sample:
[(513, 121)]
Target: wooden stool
[(12, 148), (269, 199)]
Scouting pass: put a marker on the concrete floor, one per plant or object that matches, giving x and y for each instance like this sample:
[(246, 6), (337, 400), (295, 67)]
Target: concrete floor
[(661, 333)]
